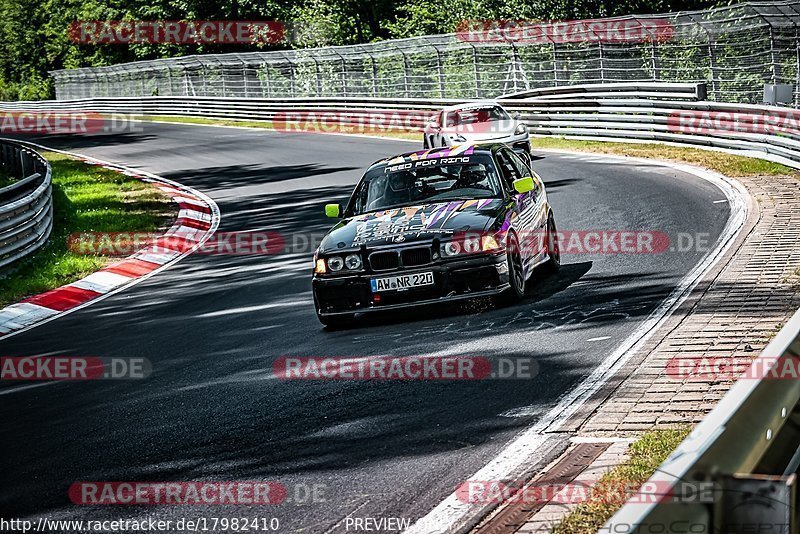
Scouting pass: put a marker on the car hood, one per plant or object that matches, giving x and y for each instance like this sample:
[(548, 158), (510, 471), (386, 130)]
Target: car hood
[(413, 223)]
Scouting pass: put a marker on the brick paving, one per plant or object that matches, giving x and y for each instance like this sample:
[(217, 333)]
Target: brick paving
[(734, 314)]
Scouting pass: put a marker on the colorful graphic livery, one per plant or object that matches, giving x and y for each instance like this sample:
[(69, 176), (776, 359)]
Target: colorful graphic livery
[(431, 226)]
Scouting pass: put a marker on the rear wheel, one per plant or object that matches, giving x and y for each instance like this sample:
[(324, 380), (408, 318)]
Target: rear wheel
[(516, 274), (553, 248)]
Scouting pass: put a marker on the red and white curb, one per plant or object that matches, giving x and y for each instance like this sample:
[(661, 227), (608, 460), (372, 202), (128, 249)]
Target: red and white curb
[(198, 219)]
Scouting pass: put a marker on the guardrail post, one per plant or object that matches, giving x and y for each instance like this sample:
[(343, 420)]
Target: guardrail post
[(555, 65), (440, 69), (773, 54), (477, 71), (746, 502), (602, 67), (374, 75)]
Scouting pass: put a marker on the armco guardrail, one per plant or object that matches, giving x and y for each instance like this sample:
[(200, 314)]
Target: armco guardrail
[(26, 205), (746, 449), (659, 112)]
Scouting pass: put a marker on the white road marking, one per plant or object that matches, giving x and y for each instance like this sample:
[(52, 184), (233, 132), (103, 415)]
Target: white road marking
[(528, 448), (720, 201), (601, 338)]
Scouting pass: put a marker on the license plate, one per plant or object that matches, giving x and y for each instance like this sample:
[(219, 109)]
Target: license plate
[(399, 283)]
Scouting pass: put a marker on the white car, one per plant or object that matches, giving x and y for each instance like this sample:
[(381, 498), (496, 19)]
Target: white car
[(476, 122)]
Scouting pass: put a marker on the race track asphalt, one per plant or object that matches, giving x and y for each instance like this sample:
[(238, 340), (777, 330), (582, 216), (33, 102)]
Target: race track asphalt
[(213, 325)]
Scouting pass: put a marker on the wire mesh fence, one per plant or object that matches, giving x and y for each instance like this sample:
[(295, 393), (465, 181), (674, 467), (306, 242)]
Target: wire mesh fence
[(735, 50)]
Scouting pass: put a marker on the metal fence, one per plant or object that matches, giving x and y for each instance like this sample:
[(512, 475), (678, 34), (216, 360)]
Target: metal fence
[(26, 204), (735, 50)]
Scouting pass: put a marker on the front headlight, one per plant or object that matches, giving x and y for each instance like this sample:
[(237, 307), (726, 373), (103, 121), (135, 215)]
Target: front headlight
[(472, 245), (451, 248), (521, 129), (353, 262), (458, 138), (335, 263)]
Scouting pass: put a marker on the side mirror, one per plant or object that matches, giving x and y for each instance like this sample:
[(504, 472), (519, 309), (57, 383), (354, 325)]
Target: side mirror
[(333, 211), (523, 185), (517, 115)]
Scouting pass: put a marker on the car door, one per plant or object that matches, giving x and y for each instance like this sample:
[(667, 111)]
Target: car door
[(532, 211), (514, 209)]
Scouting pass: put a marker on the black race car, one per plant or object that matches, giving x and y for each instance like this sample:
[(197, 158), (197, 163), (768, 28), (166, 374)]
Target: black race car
[(431, 226)]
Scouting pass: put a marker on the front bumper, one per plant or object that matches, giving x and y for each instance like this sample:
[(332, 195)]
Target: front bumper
[(477, 276)]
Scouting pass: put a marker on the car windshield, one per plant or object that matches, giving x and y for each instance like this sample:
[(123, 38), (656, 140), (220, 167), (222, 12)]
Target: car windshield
[(426, 181), (461, 117)]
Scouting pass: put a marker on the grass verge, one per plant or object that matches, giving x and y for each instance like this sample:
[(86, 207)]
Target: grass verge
[(721, 162), (86, 198), (646, 454)]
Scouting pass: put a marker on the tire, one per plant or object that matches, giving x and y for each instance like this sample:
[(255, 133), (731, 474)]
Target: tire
[(337, 321), (516, 275), (333, 321), (553, 262)]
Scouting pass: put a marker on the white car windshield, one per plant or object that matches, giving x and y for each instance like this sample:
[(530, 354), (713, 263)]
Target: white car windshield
[(462, 117)]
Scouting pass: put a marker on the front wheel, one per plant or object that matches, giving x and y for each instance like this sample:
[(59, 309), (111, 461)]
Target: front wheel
[(516, 275), (553, 248)]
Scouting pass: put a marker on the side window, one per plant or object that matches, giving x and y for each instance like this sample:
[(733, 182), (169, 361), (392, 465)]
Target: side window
[(525, 170), (522, 169), (508, 171)]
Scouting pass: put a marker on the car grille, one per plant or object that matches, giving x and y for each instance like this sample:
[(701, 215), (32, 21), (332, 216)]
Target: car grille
[(384, 261), (416, 256)]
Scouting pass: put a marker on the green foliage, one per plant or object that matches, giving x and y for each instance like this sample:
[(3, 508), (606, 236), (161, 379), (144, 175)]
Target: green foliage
[(34, 33)]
